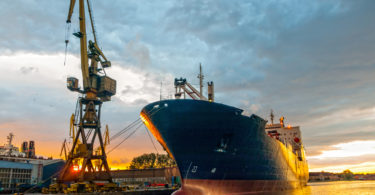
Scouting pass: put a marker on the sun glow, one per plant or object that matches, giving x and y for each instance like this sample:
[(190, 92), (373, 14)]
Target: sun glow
[(367, 167), (120, 167), (76, 168), (350, 149), (357, 156)]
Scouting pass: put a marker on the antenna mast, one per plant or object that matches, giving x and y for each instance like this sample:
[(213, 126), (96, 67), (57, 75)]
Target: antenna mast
[(200, 77), (10, 138), (161, 85)]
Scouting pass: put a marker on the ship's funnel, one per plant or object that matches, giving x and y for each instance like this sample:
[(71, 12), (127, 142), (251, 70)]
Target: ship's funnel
[(24, 147), (210, 91), (31, 152)]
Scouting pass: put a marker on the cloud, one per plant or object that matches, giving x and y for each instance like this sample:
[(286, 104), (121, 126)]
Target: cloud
[(136, 87), (27, 70), (28, 26), (38, 102), (138, 53), (345, 155), (120, 161), (367, 167), (350, 149)]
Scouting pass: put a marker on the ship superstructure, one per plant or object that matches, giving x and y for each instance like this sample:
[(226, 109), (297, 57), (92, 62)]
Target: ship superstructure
[(286, 134), (9, 150)]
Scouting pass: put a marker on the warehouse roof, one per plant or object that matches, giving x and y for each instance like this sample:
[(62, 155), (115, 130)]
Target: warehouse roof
[(15, 165)]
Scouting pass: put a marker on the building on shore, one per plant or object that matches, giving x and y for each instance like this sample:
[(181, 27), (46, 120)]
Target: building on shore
[(16, 171), (323, 176), (168, 175)]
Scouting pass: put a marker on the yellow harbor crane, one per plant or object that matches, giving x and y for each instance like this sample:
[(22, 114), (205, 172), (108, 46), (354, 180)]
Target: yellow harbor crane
[(86, 125)]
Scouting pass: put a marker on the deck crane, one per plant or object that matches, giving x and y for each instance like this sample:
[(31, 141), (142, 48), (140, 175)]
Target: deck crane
[(97, 88), (183, 87)]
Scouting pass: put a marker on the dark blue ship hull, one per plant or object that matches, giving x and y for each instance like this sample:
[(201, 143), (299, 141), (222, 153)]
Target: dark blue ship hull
[(214, 144)]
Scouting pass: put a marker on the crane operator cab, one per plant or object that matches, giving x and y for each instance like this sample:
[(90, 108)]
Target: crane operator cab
[(72, 83)]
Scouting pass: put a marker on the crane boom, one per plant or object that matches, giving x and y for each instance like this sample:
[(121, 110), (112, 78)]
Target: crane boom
[(84, 58), (83, 40), (92, 20), (70, 13)]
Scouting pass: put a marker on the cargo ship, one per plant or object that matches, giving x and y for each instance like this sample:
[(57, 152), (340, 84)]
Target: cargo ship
[(220, 150)]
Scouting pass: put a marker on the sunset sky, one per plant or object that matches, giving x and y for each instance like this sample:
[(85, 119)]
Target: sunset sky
[(310, 61)]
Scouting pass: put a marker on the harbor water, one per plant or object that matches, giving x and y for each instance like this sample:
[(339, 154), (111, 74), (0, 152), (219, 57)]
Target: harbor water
[(316, 188), (332, 188)]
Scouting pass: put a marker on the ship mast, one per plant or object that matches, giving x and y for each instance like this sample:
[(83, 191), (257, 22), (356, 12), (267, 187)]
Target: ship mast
[(200, 77), (10, 138)]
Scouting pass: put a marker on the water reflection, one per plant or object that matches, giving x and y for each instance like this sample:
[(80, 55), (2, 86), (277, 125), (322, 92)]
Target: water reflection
[(330, 188)]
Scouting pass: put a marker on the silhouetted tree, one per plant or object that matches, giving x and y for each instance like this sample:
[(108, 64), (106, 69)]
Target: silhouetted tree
[(152, 160), (347, 175)]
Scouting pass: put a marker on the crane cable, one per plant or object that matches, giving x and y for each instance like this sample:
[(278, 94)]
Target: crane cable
[(127, 137), (157, 152), (135, 123), (152, 141), (67, 35), (126, 129), (131, 125)]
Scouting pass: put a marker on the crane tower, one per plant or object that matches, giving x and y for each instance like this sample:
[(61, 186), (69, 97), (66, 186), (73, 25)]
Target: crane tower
[(97, 88)]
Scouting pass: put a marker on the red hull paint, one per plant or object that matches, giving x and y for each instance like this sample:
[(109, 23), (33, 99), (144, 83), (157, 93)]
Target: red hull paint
[(233, 187)]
